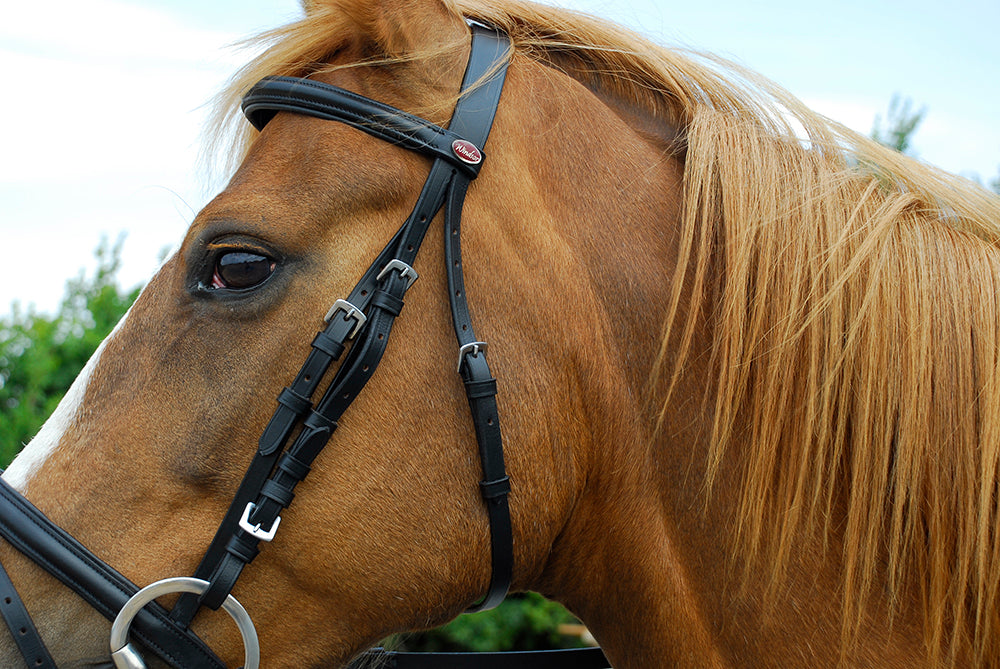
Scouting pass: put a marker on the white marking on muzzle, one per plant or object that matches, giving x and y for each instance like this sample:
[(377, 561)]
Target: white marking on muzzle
[(30, 459)]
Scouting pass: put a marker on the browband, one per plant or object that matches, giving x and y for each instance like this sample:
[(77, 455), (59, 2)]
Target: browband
[(332, 103)]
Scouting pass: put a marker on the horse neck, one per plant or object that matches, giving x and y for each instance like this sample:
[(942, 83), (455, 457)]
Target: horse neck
[(642, 552), (612, 196)]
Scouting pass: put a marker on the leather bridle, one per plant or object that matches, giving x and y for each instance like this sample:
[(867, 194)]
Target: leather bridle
[(359, 326)]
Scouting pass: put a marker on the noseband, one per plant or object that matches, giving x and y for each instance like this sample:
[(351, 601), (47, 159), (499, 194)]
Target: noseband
[(359, 326)]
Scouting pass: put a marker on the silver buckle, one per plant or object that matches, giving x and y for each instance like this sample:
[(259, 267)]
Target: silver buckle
[(405, 271), (474, 348), (350, 311), (263, 535)]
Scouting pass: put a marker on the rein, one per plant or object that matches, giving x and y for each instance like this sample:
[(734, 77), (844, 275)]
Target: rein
[(364, 320)]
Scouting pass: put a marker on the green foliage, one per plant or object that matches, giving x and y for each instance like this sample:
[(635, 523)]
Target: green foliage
[(901, 124), (41, 354), (524, 621)]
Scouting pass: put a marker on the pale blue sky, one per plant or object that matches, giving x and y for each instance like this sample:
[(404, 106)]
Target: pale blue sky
[(101, 102)]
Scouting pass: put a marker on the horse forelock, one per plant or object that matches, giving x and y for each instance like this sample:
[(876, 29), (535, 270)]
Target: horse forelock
[(855, 311)]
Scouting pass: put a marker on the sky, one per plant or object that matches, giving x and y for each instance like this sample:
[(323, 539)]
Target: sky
[(102, 103)]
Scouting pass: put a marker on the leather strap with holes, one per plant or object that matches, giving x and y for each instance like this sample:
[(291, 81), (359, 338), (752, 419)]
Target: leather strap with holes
[(22, 629)]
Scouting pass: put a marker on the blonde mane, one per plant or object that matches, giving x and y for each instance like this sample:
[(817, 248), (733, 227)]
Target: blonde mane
[(856, 315)]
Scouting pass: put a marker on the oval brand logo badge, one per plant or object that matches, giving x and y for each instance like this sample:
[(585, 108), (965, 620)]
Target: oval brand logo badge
[(467, 152)]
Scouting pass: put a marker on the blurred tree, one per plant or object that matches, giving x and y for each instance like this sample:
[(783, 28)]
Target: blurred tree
[(900, 124), (524, 621), (40, 354)]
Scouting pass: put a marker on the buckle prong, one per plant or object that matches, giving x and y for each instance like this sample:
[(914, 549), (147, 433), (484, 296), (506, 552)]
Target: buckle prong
[(474, 348), (405, 271), (350, 311), (263, 535)]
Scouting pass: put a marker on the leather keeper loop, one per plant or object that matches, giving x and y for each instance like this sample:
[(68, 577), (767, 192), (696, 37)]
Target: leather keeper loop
[(243, 548), (283, 495), (479, 389), (493, 489), (318, 421), (291, 399), (294, 467), (387, 302), (327, 344)]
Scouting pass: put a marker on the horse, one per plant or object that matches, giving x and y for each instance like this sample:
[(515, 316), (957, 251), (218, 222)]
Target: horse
[(747, 364)]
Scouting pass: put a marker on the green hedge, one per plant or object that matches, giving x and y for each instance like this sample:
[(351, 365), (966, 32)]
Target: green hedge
[(525, 621)]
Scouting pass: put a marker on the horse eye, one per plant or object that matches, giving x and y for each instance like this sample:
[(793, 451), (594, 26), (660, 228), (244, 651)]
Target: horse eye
[(239, 271)]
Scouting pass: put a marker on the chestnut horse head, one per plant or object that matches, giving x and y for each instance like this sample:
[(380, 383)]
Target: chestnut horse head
[(748, 364)]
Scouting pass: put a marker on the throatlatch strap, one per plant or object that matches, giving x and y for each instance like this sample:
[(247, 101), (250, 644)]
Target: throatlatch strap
[(481, 391)]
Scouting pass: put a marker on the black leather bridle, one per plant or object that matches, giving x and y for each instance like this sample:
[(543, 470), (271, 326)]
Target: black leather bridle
[(358, 326)]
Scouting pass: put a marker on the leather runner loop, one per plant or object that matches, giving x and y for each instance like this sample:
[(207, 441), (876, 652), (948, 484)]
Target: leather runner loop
[(328, 345), (494, 489), (283, 495), (475, 390), (21, 627), (229, 570), (291, 399), (390, 303), (241, 548), (317, 422), (293, 466)]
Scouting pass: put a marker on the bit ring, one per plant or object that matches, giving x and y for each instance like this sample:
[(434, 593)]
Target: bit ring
[(126, 657)]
